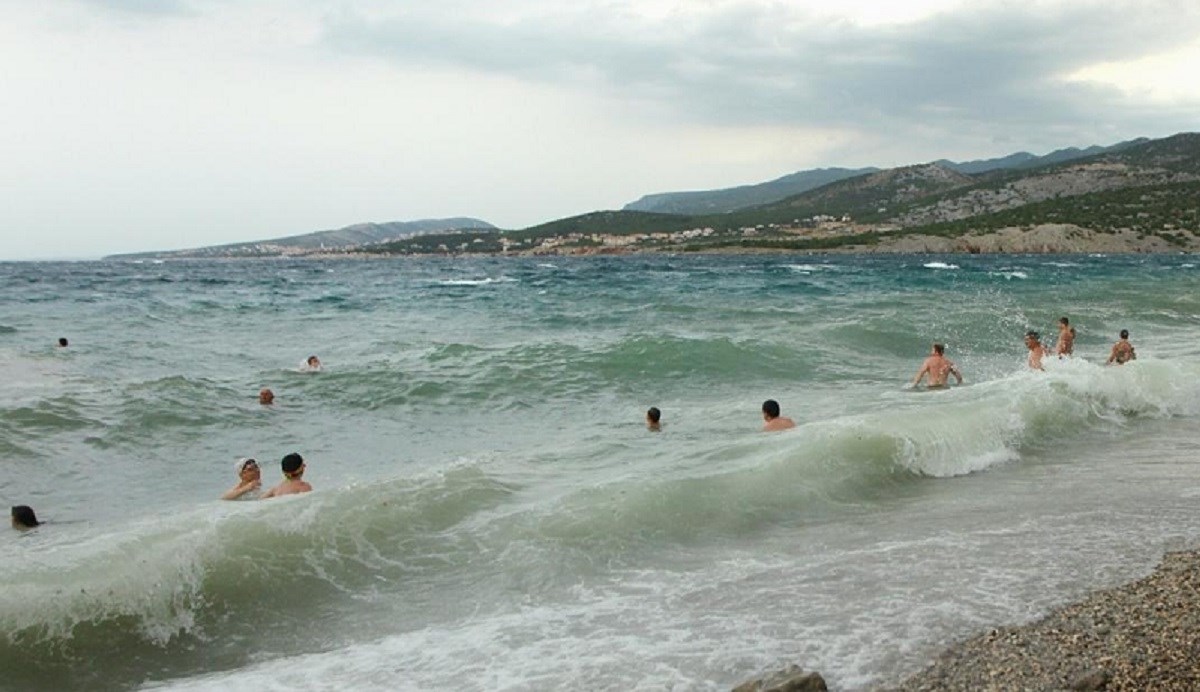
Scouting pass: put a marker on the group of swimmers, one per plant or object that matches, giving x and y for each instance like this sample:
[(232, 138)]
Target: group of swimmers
[(938, 368), (250, 475)]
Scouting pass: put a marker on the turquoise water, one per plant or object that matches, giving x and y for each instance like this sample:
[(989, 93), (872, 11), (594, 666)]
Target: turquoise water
[(490, 512)]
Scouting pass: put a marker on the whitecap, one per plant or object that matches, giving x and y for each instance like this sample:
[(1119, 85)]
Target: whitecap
[(475, 282), (939, 265), (1010, 274)]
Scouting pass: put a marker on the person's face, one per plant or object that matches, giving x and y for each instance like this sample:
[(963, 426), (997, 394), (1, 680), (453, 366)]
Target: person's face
[(266, 396), (250, 471), (1030, 342)]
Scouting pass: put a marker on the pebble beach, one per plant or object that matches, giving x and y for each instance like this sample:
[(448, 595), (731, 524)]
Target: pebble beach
[(1144, 635)]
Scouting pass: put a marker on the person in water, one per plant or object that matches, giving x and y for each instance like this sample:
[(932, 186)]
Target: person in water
[(653, 419), (1036, 351), (312, 364), (62, 342), (249, 481), (1066, 338), (293, 483), (1122, 351), (23, 518), (774, 421), (266, 397), (938, 367)]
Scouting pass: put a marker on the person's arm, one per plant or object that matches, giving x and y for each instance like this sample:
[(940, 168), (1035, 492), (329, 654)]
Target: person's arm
[(920, 374), (270, 493), (240, 489), (954, 371), (1112, 356)]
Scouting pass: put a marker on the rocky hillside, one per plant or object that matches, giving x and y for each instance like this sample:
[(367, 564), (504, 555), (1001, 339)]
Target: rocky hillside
[(349, 237), (725, 200)]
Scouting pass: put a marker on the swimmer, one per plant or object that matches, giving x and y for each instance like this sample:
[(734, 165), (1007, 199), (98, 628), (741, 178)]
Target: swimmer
[(266, 397), (293, 470), (249, 481), (774, 421), (62, 342), (23, 518), (1036, 350), (938, 367), (653, 419), (1066, 338), (312, 364), (1122, 351)]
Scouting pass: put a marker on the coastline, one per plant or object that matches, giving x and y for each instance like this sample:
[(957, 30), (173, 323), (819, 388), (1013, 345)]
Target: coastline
[(1142, 635)]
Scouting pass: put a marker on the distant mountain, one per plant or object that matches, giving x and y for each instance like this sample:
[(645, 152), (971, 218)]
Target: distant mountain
[(735, 198), (1146, 191), (349, 237), (1024, 159), (729, 199)]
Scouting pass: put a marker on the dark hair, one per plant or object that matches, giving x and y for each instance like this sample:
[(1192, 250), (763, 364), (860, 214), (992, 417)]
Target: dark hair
[(1035, 335), (62, 341), (653, 414), (940, 348), (292, 463), (23, 516), (1064, 320), (771, 408), (1124, 333)]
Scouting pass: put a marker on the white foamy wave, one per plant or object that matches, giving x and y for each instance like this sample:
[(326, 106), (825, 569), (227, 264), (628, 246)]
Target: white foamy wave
[(939, 265), (809, 268), (1010, 274), (476, 282)]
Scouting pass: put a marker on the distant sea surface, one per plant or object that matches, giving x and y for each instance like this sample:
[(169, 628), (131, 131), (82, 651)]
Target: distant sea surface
[(490, 512)]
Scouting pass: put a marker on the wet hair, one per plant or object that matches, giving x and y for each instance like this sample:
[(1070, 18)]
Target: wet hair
[(23, 516), (771, 408), (1064, 320), (292, 463), (940, 348), (310, 359), (1035, 335), (1124, 333), (653, 414), (62, 341)]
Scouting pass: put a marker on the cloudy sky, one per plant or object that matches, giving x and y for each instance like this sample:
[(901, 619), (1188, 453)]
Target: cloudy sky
[(132, 125)]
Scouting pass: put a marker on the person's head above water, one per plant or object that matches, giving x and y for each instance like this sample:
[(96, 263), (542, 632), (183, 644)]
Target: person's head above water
[(1032, 337), (653, 414), (293, 466), (1064, 321), (266, 396), (62, 341), (247, 469), (313, 362), (939, 349), (770, 409), (1124, 333), (24, 518)]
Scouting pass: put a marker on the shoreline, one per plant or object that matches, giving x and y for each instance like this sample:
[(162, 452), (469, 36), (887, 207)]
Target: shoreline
[(1140, 635)]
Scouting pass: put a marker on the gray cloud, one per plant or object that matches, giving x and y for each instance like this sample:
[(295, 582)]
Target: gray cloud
[(978, 68)]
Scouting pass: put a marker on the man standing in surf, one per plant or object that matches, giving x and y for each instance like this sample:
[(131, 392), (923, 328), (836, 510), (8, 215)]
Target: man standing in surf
[(1034, 342), (1066, 338), (939, 368)]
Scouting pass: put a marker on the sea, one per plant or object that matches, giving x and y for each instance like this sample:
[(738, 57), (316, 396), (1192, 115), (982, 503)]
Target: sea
[(489, 509)]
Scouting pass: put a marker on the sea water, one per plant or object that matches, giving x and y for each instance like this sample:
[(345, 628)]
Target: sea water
[(490, 511)]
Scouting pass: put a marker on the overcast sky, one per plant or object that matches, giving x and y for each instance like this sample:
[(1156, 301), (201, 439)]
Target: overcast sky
[(131, 125)]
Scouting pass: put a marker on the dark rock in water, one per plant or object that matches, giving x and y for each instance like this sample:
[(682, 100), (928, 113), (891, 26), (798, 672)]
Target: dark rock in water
[(1094, 679), (790, 679)]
